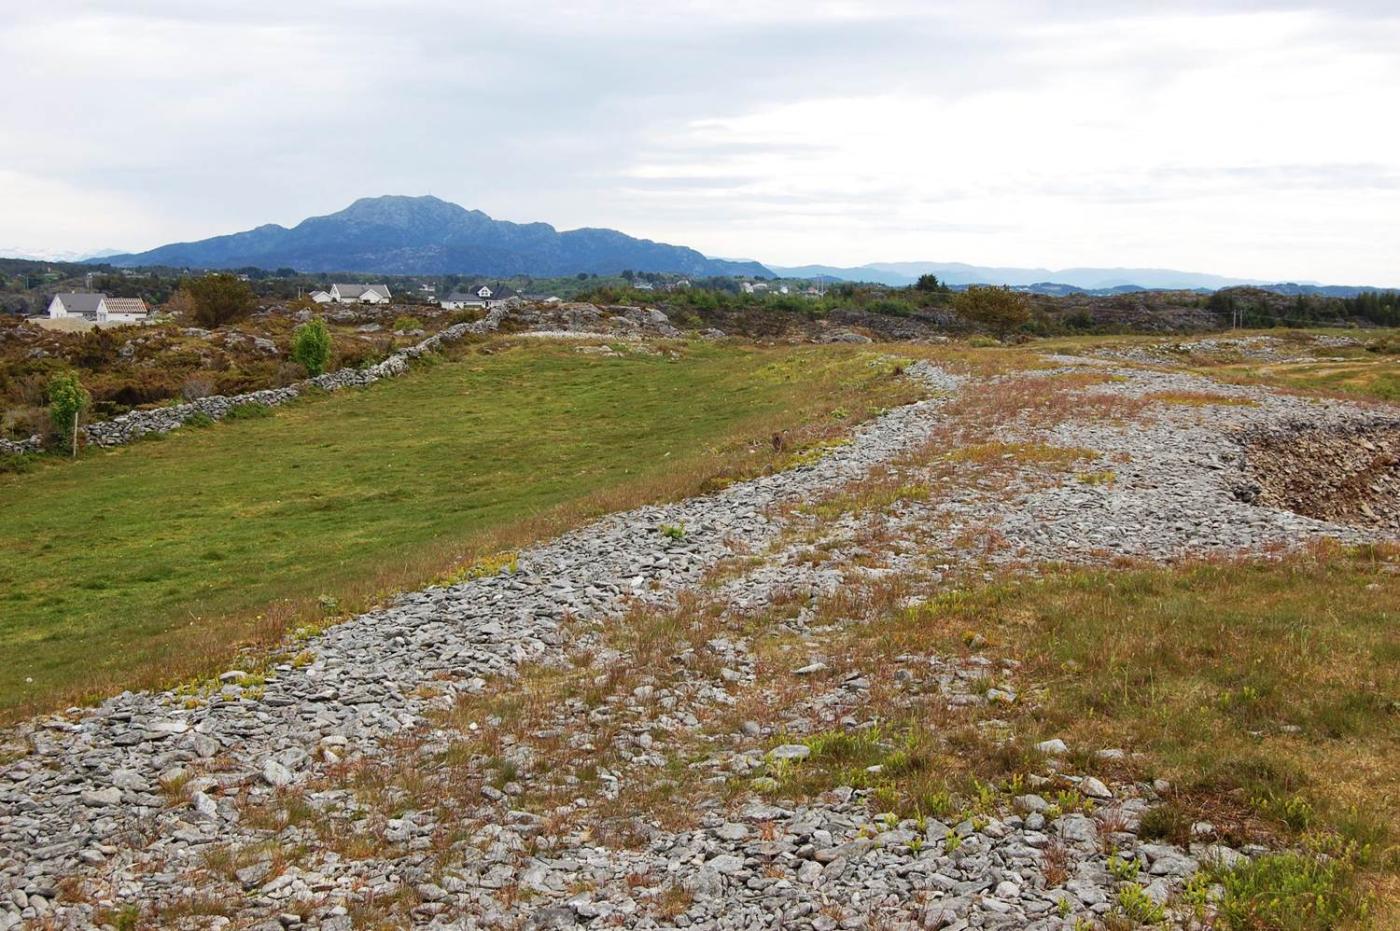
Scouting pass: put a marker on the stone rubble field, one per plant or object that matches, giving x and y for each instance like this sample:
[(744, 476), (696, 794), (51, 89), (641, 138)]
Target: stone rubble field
[(290, 792)]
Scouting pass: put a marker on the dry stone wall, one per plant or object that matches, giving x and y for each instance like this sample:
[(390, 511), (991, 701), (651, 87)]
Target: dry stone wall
[(20, 447), (574, 318), (133, 426)]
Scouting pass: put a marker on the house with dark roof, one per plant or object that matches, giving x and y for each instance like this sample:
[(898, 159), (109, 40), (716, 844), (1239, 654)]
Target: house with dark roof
[(360, 293), (76, 304), (485, 295), (97, 308), (459, 300)]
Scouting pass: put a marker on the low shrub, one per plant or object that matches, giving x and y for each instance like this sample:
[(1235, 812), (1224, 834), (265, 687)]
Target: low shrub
[(196, 387), (311, 346), (406, 324), (1167, 821), (1288, 892), (248, 411), (17, 463)]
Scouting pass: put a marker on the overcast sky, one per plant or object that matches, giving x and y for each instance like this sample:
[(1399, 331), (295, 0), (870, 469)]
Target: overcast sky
[(1257, 139)]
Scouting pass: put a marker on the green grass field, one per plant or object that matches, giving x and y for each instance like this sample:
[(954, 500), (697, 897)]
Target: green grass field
[(153, 562)]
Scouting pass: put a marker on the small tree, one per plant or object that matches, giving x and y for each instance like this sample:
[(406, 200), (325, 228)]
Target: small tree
[(67, 401), (1000, 310), (930, 283), (311, 346), (220, 298)]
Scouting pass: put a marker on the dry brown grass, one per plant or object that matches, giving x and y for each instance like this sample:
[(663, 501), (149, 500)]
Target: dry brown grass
[(1040, 401)]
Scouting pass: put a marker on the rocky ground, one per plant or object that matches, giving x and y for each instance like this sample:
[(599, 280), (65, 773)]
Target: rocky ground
[(626, 726), (1253, 348)]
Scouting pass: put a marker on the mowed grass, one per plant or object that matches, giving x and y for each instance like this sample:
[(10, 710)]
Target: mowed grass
[(154, 562)]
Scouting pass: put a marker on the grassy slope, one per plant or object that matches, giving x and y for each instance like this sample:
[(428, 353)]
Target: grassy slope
[(1265, 691), (141, 564)]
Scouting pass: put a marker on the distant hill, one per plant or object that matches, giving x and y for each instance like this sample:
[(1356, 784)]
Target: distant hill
[(15, 252), (899, 274), (395, 235)]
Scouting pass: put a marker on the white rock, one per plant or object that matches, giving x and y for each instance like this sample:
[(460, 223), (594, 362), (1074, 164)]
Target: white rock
[(275, 774)]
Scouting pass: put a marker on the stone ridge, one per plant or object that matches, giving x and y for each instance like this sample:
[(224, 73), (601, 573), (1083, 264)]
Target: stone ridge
[(85, 799), (89, 784)]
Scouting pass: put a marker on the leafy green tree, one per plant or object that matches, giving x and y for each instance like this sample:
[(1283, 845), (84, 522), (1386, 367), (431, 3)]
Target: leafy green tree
[(1000, 310), (311, 346), (67, 401), (220, 298), (930, 283)]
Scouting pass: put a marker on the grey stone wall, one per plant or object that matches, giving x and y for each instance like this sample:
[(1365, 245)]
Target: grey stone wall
[(18, 447), (137, 424)]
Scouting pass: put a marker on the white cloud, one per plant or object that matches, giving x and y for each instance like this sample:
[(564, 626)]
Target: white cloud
[(1235, 136)]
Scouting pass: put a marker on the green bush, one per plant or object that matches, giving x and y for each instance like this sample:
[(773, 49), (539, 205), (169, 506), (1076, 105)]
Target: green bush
[(17, 463), (67, 400), (311, 346), (1166, 822), (219, 299), (1288, 892), (406, 324), (250, 411), (1000, 310)]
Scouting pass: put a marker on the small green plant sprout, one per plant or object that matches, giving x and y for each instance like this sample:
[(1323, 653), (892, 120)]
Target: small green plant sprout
[(1062, 906), (951, 841), (938, 803), (673, 531), (311, 346), (67, 401), (986, 795), (916, 844), (1123, 870), (1197, 893), (1137, 906)]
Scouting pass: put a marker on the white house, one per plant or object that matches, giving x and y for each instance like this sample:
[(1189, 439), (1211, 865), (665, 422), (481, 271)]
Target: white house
[(122, 310), (320, 297), (486, 296), (360, 293), (459, 300), (71, 304), (98, 308)]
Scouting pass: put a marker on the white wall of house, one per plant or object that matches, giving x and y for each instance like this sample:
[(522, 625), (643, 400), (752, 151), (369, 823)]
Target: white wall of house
[(106, 316), (57, 310)]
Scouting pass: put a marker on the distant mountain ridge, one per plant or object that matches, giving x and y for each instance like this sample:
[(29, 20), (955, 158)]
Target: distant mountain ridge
[(399, 235), (899, 274)]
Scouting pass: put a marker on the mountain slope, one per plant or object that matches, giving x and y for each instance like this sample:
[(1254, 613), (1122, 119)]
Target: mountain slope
[(397, 235)]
